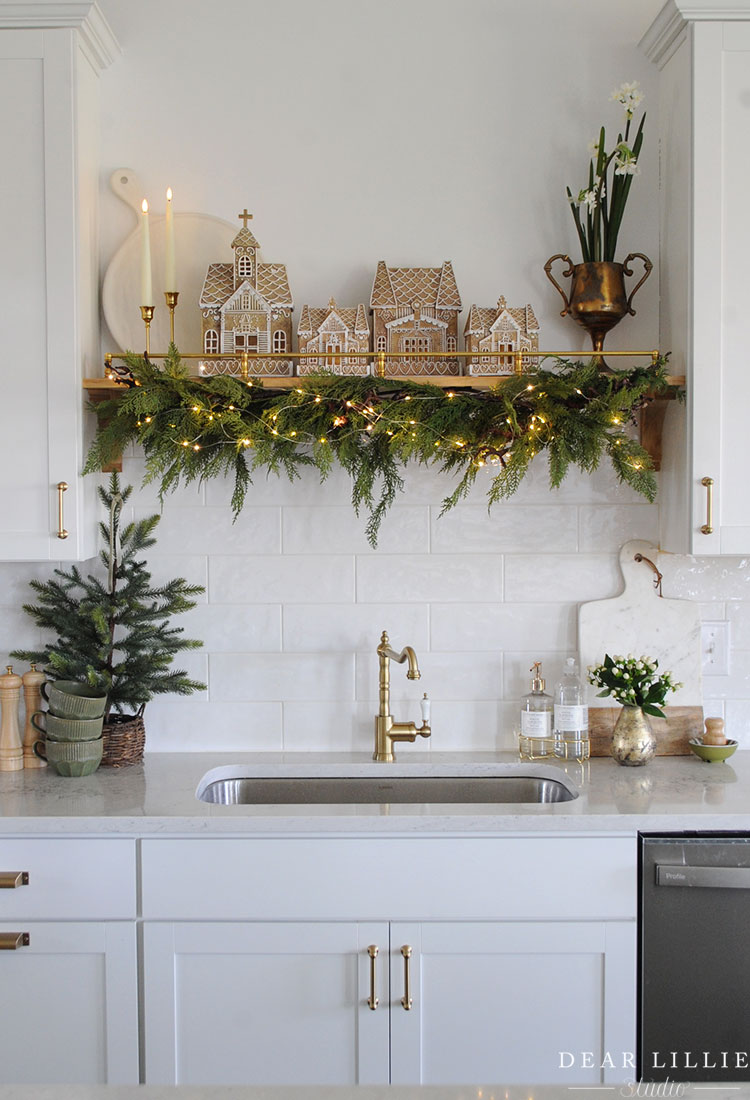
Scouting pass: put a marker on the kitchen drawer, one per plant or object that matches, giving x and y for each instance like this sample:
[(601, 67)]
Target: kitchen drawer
[(69, 879), (508, 878)]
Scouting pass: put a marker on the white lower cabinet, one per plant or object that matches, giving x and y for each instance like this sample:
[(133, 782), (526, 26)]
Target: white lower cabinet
[(69, 963), (70, 1001)]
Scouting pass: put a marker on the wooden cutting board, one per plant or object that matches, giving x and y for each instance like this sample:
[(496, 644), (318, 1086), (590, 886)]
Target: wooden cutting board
[(639, 621)]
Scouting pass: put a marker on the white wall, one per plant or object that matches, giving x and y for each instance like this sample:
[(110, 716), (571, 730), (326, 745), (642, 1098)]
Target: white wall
[(412, 131)]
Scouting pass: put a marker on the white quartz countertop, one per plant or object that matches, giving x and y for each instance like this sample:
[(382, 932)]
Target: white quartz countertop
[(158, 796)]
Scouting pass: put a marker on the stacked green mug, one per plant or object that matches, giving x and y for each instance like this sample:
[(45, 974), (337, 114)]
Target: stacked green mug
[(72, 727)]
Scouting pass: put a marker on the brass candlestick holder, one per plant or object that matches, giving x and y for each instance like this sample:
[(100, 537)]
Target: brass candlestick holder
[(147, 313), (171, 296)]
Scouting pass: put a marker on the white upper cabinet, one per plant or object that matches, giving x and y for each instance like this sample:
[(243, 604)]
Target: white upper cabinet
[(703, 52), (50, 58)]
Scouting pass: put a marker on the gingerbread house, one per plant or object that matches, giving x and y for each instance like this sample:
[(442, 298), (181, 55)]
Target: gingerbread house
[(415, 309), (330, 335), (501, 328), (246, 306)]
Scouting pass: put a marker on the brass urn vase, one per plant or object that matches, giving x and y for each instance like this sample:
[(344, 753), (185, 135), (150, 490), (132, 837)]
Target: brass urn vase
[(598, 299)]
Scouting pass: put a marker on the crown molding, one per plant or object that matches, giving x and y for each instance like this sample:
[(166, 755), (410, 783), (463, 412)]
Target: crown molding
[(96, 36), (667, 32)]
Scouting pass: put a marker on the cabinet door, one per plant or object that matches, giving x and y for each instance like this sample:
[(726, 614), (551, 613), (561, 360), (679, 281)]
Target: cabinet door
[(48, 290), (71, 1004), (258, 1003), (543, 1002)]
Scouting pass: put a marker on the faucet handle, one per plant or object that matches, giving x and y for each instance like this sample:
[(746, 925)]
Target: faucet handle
[(425, 706)]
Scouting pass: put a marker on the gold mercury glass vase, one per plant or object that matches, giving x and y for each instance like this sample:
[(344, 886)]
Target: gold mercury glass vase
[(633, 741)]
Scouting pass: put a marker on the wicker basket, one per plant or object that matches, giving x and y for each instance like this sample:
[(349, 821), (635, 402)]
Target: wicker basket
[(124, 739)]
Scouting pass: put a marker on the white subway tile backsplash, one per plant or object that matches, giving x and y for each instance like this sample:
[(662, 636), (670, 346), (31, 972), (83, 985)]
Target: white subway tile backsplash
[(422, 578), (531, 578), (509, 627), (508, 528), (455, 676), (323, 530), (146, 495), (296, 601), (207, 530), (607, 527), (292, 578), (218, 726), (353, 628), (235, 628), (283, 676), (268, 488)]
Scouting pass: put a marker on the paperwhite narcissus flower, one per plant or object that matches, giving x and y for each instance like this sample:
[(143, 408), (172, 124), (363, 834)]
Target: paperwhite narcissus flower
[(629, 95), (594, 147), (587, 198)]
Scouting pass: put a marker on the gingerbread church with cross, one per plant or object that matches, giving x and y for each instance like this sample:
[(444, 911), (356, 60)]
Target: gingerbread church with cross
[(246, 306)]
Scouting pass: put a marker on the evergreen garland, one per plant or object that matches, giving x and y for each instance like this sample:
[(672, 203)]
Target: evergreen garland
[(198, 428), (113, 633)]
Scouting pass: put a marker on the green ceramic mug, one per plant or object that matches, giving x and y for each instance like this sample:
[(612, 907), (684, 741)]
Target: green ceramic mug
[(69, 699), (66, 729), (71, 758)]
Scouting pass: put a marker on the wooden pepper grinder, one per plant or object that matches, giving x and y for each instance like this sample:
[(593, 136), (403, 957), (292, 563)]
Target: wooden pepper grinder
[(714, 734), (11, 749), (32, 697)]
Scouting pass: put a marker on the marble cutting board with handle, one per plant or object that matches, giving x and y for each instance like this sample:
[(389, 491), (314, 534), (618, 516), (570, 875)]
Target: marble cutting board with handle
[(640, 621)]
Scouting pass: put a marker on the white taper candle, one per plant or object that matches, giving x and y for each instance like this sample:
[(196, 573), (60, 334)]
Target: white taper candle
[(147, 293), (170, 269)]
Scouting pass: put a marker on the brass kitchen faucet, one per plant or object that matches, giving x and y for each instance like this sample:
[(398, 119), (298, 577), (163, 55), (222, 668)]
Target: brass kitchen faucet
[(386, 730)]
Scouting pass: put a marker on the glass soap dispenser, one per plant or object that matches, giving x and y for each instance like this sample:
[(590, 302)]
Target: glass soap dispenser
[(571, 718), (536, 717)]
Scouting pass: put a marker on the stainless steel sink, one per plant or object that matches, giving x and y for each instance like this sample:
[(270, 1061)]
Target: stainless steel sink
[(511, 787)]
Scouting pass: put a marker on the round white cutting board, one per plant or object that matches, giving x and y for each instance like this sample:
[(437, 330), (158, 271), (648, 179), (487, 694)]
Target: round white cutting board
[(200, 239)]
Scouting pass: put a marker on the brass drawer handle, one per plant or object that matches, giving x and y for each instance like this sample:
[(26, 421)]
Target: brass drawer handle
[(9, 880), (708, 526), (61, 488), (372, 1000), (10, 941), (406, 1000)]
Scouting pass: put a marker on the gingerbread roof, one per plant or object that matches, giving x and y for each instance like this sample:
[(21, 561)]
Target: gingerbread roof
[(245, 239), (217, 286), (353, 317), (481, 319), (271, 283), (409, 286)]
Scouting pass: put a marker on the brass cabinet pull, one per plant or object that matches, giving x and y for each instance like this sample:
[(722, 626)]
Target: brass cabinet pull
[(9, 880), (708, 526), (62, 487), (406, 1000), (10, 941), (372, 1000)]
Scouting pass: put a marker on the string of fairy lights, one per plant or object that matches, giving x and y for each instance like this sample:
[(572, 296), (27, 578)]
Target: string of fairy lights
[(378, 413)]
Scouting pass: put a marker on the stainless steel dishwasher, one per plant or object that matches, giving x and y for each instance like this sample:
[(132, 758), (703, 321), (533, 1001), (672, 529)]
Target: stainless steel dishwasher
[(694, 957)]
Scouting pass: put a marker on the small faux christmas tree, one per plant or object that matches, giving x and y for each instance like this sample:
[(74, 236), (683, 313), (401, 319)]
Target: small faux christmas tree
[(114, 633)]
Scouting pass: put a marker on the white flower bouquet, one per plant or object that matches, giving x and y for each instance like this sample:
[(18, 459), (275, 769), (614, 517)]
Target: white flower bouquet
[(633, 682), (598, 209)]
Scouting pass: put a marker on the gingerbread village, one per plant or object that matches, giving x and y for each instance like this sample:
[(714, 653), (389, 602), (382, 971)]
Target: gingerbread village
[(246, 309)]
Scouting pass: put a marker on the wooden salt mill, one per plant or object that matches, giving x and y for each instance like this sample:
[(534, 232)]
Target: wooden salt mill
[(11, 749), (32, 697), (714, 734)]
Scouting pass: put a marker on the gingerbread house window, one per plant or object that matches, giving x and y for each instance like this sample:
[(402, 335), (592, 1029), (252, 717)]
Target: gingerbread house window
[(244, 267), (211, 342), (416, 343), (279, 341), (381, 343), (451, 343)]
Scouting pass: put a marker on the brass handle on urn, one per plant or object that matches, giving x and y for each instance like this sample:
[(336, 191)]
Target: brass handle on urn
[(565, 275), (626, 271), (11, 941), (372, 1000), (708, 526), (62, 487), (406, 1000)]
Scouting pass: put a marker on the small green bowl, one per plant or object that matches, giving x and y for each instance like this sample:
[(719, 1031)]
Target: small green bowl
[(712, 754)]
